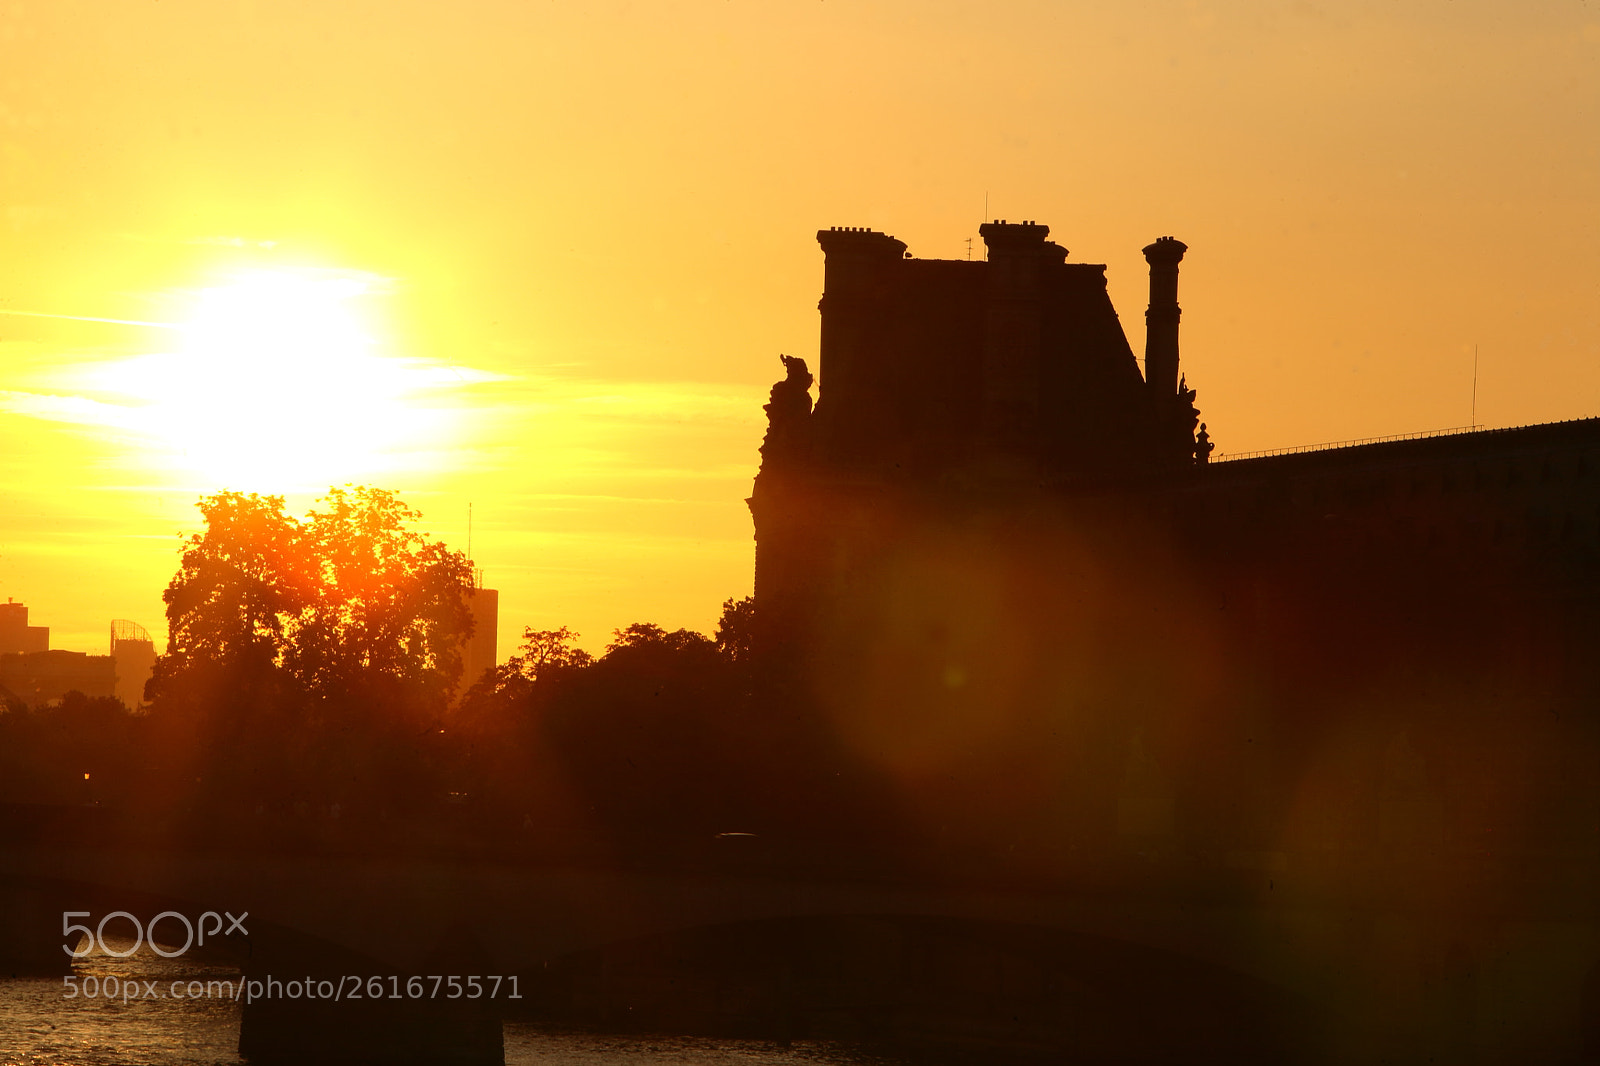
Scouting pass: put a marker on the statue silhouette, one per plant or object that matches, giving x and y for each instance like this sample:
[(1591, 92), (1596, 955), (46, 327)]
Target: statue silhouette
[(788, 415)]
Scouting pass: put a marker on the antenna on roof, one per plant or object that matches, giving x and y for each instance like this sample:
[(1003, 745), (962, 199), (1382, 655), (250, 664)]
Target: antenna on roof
[(969, 249), (1474, 386), (469, 531), (986, 219)]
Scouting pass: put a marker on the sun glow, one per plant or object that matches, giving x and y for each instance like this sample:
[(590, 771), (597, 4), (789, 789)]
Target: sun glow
[(279, 385)]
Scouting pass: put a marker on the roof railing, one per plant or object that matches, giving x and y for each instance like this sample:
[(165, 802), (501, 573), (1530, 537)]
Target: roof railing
[(1228, 457)]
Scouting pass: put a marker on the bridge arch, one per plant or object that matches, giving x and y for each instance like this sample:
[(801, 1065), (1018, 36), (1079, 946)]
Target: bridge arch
[(919, 979)]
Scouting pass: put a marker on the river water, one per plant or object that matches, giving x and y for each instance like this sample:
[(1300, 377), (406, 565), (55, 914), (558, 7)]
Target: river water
[(41, 1024)]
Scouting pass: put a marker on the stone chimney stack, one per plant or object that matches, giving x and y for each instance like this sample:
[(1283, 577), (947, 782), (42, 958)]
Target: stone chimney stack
[(857, 307), (857, 280), (1019, 266), (1161, 319)]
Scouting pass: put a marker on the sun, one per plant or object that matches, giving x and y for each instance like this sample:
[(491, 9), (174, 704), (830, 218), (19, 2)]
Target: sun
[(279, 385)]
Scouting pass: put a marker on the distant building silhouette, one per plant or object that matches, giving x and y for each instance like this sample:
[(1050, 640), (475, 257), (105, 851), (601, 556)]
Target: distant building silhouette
[(134, 655), (39, 677), (35, 674), (16, 635), (478, 652)]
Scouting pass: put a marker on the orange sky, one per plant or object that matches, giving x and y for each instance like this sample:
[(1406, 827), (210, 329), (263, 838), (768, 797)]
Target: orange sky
[(579, 235)]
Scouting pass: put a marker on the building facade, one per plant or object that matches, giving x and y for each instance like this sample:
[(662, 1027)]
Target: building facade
[(133, 654), (33, 674), (999, 400), (479, 651), (951, 387), (17, 637), (997, 563)]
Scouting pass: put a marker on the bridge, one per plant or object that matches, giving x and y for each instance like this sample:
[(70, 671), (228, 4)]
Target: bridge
[(1249, 958)]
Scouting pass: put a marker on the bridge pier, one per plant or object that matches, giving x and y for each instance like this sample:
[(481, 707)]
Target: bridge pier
[(376, 1032), (30, 931), (305, 1002)]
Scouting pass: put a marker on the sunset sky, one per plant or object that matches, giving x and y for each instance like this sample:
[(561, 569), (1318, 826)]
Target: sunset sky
[(542, 257)]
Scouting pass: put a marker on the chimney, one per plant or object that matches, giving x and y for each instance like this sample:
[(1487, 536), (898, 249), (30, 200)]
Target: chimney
[(857, 266), (860, 269), (1023, 273), (1161, 319)]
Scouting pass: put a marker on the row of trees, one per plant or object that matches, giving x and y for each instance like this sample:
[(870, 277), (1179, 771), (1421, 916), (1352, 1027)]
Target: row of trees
[(310, 671), (659, 737)]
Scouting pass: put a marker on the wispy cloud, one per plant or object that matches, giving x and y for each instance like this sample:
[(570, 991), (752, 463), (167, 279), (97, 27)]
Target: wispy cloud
[(214, 240), (74, 410), (89, 318)]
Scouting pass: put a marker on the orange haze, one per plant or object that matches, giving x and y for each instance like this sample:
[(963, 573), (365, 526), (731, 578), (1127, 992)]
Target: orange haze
[(575, 237)]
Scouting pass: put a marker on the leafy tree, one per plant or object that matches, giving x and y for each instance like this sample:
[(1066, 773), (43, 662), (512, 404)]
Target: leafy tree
[(309, 650), (221, 688), (75, 750), (736, 629), (349, 597), (549, 652), (495, 738), (648, 635), (545, 655), (385, 608), (236, 590)]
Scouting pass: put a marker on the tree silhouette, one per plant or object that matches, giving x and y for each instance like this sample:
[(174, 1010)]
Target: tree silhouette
[(547, 652), (641, 636), (385, 609), (736, 629), (73, 751), (505, 690), (310, 655), (345, 600), (235, 591), (220, 689)]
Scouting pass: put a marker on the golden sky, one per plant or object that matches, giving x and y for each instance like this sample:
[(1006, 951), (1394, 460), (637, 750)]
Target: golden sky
[(545, 254)]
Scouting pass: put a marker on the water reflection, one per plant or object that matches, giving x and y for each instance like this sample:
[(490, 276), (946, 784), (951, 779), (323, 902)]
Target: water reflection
[(41, 1026)]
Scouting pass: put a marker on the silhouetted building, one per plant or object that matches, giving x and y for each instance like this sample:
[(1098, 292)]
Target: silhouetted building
[(134, 655), (16, 635), (952, 383), (996, 397), (39, 677), (996, 560), (992, 518), (478, 652), (36, 675), (1015, 367)]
